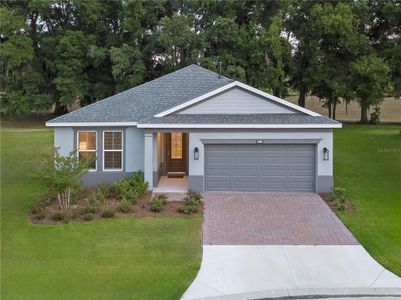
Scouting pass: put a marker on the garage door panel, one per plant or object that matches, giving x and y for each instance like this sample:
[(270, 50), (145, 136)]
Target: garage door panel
[(245, 172), (309, 173), (244, 147), (272, 173), (272, 147), (301, 160), (218, 172), (236, 160), (244, 186), (260, 167), (218, 159)]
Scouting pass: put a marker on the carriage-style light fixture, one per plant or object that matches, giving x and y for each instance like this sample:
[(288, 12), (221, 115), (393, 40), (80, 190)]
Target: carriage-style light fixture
[(326, 154), (196, 153)]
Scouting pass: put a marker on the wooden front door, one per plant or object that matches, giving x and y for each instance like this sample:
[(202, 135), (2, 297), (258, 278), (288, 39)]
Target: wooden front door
[(176, 153)]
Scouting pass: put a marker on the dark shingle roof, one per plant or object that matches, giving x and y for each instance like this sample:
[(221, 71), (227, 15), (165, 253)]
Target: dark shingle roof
[(150, 98), (240, 119)]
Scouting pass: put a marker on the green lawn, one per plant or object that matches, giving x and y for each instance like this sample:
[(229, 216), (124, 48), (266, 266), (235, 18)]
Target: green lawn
[(153, 258), (141, 258), (367, 162)]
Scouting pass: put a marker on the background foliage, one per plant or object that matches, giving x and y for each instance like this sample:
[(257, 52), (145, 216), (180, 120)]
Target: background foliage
[(58, 53)]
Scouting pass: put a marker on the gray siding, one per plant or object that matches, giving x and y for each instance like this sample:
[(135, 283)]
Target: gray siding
[(133, 152), (242, 167), (64, 140), (237, 101)]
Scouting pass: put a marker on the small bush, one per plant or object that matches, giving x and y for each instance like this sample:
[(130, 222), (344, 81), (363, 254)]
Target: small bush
[(157, 202), (58, 216), (375, 115), (89, 217), (95, 201), (125, 206), (338, 197), (194, 195), (105, 189), (131, 188), (42, 201), (191, 202), (108, 213), (40, 216)]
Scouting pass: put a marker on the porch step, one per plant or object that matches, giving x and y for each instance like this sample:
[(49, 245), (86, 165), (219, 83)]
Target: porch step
[(172, 196)]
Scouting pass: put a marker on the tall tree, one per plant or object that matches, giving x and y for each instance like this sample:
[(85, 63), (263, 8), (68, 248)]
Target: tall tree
[(370, 78), (21, 84)]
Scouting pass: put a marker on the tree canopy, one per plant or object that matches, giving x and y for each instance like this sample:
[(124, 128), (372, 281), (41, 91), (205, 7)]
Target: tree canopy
[(59, 53)]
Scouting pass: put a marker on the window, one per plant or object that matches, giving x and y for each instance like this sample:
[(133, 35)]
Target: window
[(176, 145), (113, 150), (87, 146)]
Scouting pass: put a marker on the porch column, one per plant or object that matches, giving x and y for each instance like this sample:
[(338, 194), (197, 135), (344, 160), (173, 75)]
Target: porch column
[(148, 172)]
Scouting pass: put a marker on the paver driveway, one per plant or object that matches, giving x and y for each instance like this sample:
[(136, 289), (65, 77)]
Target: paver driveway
[(261, 245), (271, 219)]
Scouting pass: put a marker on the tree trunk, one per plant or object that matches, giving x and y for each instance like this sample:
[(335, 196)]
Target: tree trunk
[(334, 108), (364, 115), (329, 107), (302, 96), (60, 109)]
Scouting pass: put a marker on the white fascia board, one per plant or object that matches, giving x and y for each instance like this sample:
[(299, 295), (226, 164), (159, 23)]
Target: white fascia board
[(91, 124), (242, 126), (241, 85), (277, 99)]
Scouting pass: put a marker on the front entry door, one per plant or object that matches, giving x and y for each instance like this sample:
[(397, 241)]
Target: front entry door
[(176, 154)]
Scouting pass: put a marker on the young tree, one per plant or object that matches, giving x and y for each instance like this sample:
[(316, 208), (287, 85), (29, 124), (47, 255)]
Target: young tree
[(62, 175), (369, 78)]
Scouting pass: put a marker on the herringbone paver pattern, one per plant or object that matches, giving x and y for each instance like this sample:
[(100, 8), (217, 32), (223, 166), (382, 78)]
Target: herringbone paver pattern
[(233, 218)]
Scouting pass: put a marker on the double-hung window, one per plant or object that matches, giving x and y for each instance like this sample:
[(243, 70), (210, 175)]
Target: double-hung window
[(87, 147), (112, 150)]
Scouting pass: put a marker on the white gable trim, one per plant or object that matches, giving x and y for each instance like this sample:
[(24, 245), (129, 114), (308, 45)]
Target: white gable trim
[(245, 87), (91, 124), (239, 126)]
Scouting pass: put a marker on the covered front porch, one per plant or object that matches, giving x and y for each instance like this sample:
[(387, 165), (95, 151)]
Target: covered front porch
[(167, 160)]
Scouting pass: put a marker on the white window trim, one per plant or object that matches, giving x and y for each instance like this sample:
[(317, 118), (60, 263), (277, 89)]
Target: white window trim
[(78, 131), (107, 150)]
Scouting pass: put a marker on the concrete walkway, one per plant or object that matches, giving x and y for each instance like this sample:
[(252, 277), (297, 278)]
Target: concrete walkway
[(231, 270), (272, 267)]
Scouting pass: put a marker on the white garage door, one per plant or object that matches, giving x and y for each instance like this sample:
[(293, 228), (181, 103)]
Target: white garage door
[(259, 167)]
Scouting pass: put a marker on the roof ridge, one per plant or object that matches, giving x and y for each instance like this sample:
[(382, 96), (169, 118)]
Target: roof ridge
[(215, 73)]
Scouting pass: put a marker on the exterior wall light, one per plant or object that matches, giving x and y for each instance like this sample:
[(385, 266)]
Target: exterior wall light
[(326, 155), (196, 153)]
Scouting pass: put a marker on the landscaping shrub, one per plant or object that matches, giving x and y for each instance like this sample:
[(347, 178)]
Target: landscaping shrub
[(58, 216), (89, 217), (62, 175), (131, 188), (339, 198), (42, 201), (108, 213), (105, 189), (375, 115), (95, 201), (157, 202), (125, 206), (191, 202), (40, 216)]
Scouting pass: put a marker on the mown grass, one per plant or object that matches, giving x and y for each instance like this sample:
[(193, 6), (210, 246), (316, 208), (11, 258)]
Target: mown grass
[(367, 162), (132, 258), (157, 258)]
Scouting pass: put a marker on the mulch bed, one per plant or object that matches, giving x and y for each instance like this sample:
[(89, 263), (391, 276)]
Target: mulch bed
[(140, 209), (326, 198)]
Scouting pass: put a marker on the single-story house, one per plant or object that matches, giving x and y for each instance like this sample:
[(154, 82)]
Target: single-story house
[(195, 129)]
